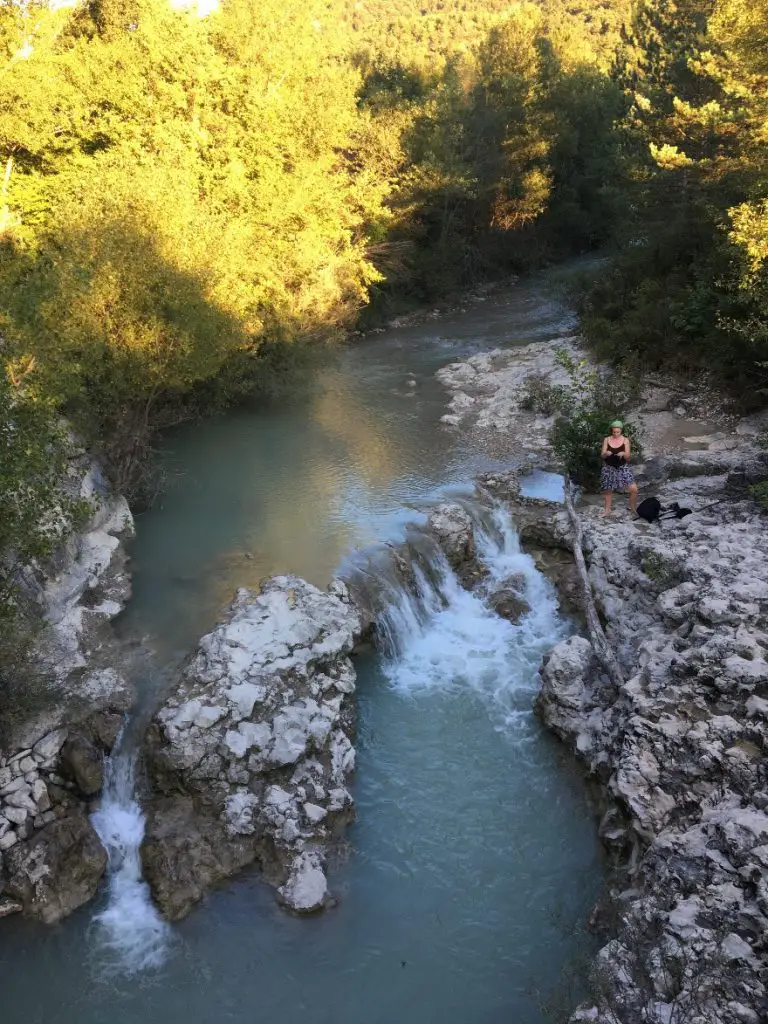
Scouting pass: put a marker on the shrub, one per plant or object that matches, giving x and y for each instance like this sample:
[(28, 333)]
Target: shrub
[(540, 395), (27, 687), (36, 513), (592, 400)]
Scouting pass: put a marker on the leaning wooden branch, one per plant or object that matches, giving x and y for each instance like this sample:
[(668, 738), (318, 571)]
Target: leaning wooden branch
[(603, 650)]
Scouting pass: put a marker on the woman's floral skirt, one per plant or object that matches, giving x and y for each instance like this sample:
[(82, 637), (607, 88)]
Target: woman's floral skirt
[(616, 478)]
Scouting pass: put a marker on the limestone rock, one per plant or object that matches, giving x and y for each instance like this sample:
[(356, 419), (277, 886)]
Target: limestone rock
[(657, 399), (81, 759), (9, 906), (567, 701), (52, 858), (488, 391), (57, 870), (49, 746), (507, 598), (250, 756), (679, 749), (452, 526), (187, 852), (306, 890)]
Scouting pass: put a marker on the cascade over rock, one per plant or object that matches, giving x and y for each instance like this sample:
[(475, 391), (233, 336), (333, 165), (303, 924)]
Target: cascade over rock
[(250, 756), (679, 748)]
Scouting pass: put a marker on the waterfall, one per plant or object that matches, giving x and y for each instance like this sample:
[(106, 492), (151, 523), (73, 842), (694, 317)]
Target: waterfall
[(434, 633), (130, 934)]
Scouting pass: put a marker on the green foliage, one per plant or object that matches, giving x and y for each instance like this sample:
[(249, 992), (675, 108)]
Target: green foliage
[(184, 198), (690, 287), (180, 192), (428, 33), (541, 396), (508, 158), (26, 688), (36, 513), (593, 400), (654, 567), (660, 570)]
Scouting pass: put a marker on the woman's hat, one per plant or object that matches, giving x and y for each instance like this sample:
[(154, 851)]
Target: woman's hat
[(617, 423)]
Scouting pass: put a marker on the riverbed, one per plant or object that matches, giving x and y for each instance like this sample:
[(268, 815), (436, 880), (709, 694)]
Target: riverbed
[(474, 859)]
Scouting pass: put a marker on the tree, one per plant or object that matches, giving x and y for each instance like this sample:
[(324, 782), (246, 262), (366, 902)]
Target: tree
[(687, 290), (183, 192)]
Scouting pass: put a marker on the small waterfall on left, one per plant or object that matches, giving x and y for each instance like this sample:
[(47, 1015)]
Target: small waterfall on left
[(131, 936)]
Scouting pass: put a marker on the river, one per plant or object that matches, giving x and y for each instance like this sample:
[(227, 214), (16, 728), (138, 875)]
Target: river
[(474, 860)]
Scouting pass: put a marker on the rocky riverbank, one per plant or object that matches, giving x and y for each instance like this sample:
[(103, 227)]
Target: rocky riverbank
[(679, 750), (51, 760), (250, 756), (489, 402)]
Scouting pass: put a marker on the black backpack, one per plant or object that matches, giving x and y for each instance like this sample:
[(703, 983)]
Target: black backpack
[(649, 509), (652, 511)]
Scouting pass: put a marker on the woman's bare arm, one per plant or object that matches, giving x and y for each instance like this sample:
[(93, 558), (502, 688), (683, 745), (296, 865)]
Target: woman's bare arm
[(628, 449), (604, 449)]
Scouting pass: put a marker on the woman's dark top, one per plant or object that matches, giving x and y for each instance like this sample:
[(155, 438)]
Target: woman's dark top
[(613, 458)]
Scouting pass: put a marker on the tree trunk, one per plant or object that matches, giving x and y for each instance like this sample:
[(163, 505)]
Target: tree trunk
[(603, 650)]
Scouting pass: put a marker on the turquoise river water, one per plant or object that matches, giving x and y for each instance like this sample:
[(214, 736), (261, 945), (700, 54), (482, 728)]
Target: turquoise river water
[(474, 860)]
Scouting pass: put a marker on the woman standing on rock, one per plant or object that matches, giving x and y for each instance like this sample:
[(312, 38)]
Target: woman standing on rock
[(616, 474)]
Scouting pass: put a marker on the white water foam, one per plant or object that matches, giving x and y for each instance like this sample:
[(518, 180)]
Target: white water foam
[(447, 637), (130, 934)]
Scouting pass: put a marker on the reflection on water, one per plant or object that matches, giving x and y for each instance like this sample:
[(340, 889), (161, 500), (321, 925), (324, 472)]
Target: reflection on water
[(294, 489)]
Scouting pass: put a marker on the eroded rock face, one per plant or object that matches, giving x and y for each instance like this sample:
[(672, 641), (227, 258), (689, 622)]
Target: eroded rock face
[(57, 870), (571, 694), (53, 860), (681, 751), (83, 762), (186, 853), (82, 588), (250, 756), (51, 763)]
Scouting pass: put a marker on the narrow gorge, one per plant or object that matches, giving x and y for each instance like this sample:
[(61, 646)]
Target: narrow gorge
[(368, 744), (332, 687), (358, 723)]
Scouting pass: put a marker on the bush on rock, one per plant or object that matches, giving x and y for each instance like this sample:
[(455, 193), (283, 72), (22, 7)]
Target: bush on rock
[(592, 400)]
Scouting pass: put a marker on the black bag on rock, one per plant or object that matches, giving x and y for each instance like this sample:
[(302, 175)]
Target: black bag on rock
[(652, 511), (649, 509)]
